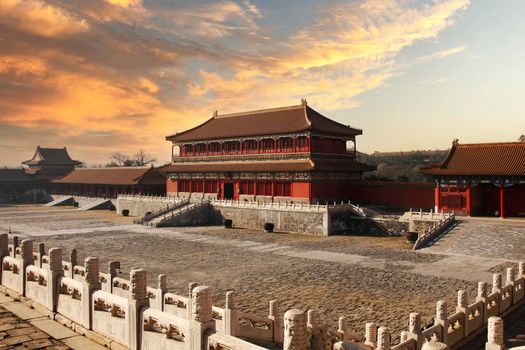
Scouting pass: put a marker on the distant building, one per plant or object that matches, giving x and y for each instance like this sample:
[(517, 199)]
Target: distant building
[(31, 182), (283, 154), (109, 182), (49, 163), (481, 179)]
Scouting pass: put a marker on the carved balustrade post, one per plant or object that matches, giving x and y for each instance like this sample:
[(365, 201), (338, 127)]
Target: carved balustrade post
[(295, 332), (4, 250), (113, 270), (371, 334), (462, 306), (90, 283), (277, 322), (495, 340), (201, 315), (54, 274), (314, 335), (191, 286), (15, 245), (441, 317), (162, 288), (231, 318), (496, 283), (414, 328), (41, 253), (383, 338), (138, 296), (26, 252), (482, 291), (341, 328)]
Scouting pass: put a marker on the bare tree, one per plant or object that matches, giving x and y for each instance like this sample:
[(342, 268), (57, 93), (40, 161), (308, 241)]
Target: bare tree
[(140, 158), (119, 159)]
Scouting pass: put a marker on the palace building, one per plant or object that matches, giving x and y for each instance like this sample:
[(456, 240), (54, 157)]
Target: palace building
[(291, 154), (111, 181), (49, 163), (486, 179)]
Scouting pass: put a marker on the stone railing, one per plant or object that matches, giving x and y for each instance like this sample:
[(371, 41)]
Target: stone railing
[(288, 206), (124, 312), (120, 312), (435, 231), (424, 216)]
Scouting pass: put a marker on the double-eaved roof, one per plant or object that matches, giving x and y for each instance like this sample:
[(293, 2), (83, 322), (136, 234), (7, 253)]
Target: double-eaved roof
[(51, 156), (274, 121), (128, 176), (482, 159)]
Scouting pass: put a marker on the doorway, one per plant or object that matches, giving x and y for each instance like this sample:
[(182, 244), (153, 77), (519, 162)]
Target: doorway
[(228, 190)]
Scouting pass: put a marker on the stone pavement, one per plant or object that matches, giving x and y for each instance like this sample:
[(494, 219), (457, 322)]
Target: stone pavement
[(483, 237), (24, 328)]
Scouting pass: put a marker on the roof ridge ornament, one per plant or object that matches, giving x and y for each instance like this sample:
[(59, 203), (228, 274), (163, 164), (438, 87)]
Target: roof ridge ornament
[(215, 113), (303, 102), (455, 142)]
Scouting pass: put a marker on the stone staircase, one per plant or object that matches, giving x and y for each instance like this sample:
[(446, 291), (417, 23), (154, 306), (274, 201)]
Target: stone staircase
[(184, 214), (146, 219)]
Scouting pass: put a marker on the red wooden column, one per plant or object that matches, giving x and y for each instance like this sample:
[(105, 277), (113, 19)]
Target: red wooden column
[(502, 201), (469, 205), (437, 198)]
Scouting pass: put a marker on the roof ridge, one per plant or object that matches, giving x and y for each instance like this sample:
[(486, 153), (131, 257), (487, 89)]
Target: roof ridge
[(116, 167), (239, 114), (491, 144)]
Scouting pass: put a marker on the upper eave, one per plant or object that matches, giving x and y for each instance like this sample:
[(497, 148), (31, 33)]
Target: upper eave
[(275, 121)]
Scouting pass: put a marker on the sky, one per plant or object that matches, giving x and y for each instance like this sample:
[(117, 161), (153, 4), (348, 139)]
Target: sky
[(103, 76)]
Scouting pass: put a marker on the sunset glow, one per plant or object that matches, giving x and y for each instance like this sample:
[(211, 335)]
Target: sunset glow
[(119, 75)]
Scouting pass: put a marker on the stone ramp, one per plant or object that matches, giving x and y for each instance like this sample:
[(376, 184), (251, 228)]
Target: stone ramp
[(69, 200), (99, 204), (485, 238)]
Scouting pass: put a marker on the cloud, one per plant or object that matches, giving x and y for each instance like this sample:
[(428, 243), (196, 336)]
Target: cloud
[(125, 3), (441, 54), (40, 18), (123, 74)]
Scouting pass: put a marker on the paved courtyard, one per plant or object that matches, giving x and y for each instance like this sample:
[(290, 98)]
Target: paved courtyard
[(484, 237), (363, 278)]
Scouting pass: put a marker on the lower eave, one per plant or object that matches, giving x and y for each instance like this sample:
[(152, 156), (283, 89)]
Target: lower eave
[(264, 166)]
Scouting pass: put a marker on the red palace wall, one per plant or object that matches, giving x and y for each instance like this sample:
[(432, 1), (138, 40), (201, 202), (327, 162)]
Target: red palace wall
[(391, 193), (397, 194)]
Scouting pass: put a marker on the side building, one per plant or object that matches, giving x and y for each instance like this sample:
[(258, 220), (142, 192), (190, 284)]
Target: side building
[(291, 154), (110, 182), (485, 179)]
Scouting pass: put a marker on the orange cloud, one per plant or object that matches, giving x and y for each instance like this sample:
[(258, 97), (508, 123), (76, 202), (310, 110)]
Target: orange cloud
[(39, 18), (136, 73)]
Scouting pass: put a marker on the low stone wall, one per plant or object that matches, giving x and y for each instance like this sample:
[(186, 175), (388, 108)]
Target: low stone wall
[(82, 200), (142, 205), (315, 223)]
